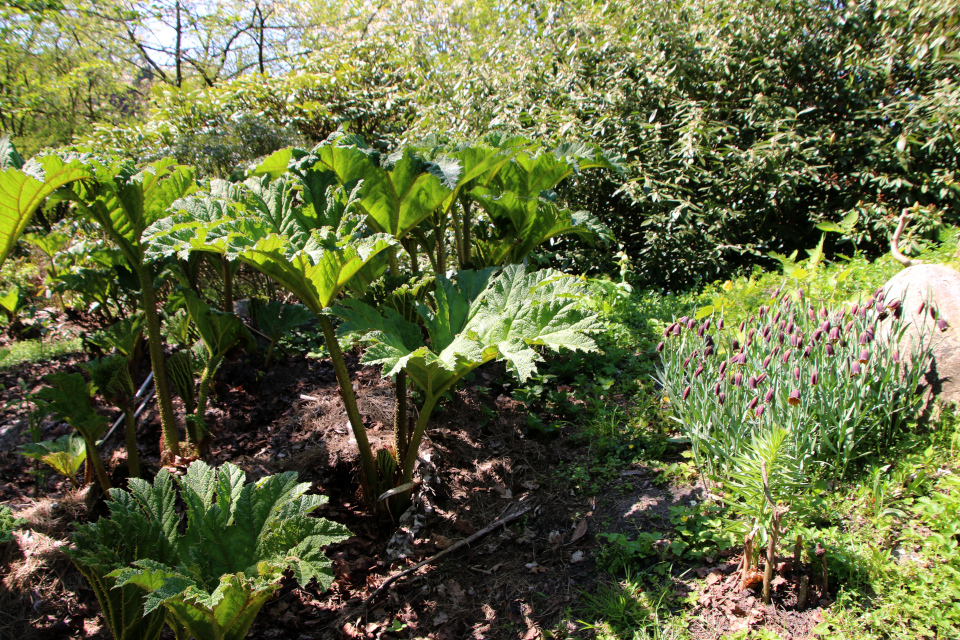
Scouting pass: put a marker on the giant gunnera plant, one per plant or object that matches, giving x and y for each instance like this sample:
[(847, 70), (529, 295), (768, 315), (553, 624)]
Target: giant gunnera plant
[(209, 580)]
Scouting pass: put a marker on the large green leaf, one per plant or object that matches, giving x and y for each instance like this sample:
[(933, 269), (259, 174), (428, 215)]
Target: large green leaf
[(23, 189), (474, 319), (239, 540)]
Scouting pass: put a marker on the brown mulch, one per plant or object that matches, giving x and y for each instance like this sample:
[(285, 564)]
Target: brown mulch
[(514, 583)]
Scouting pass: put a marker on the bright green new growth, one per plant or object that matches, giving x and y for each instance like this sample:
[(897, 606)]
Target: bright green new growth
[(69, 399), (64, 455), (8, 524), (239, 540)]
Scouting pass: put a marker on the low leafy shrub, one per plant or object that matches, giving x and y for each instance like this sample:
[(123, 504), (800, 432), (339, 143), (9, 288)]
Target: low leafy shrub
[(212, 579)]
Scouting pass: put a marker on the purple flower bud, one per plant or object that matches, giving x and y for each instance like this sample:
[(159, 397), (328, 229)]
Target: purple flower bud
[(743, 325), (676, 329), (759, 410), (708, 351), (720, 324), (834, 334), (934, 312), (768, 396), (894, 304), (766, 362), (683, 320), (794, 340), (666, 332), (783, 324), (660, 347), (761, 378), (751, 333), (748, 343), (872, 301), (863, 312), (817, 335), (829, 350), (775, 350), (698, 371), (751, 383), (800, 294), (737, 379), (753, 403), (823, 312), (762, 311), (807, 351), (781, 337), (786, 355), (814, 377), (686, 393), (721, 397), (776, 293), (855, 368), (825, 326), (921, 307), (723, 367), (878, 294), (864, 356), (855, 309), (796, 374), (735, 345), (716, 389), (942, 324), (847, 327), (776, 317), (766, 332), (706, 325), (700, 331), (811, 313), (896, 355), (863, 338), (691, 323), (790, 328), (794, 398)]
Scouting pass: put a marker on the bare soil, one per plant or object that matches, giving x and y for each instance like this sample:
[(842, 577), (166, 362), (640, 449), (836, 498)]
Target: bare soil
[(515, 582)]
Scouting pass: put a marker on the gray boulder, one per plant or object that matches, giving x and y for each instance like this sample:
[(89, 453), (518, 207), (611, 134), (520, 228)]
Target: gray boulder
[(937, 287)]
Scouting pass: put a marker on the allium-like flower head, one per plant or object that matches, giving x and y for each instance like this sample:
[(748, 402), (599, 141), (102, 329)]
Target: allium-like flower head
[(794, 398)]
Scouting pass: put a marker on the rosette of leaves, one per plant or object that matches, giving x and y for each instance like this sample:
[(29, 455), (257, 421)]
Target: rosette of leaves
[(68, 398), (476, 317), (239, 540), (64, 455)]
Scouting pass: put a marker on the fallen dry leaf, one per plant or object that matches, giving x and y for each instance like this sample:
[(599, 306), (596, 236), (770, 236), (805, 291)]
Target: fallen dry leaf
[(442, 542), (579, 531)]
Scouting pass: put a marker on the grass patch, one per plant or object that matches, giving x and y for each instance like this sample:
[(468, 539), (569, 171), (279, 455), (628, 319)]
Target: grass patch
[(31, 351)]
